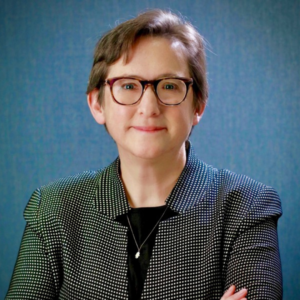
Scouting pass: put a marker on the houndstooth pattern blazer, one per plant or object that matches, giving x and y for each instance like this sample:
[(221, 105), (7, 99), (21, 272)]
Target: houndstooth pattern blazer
[(225, 233)]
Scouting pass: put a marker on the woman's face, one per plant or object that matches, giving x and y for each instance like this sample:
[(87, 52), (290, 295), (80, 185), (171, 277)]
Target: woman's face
[(148, 129)]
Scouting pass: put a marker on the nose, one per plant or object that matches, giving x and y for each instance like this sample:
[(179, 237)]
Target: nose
[(149, 105)]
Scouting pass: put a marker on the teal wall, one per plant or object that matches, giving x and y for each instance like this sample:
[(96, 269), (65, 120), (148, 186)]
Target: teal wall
[(250, 126)]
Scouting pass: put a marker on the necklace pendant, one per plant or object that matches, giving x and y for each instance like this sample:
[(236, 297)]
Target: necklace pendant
[(137, 255)]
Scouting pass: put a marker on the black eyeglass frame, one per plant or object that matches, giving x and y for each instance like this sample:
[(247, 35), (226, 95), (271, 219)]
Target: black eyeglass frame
[(110, 81)]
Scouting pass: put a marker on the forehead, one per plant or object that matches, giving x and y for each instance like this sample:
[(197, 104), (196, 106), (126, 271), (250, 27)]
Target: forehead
[(151, 57)]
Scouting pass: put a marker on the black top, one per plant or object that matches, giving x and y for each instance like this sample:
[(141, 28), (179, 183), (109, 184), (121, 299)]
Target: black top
[(142, 221)]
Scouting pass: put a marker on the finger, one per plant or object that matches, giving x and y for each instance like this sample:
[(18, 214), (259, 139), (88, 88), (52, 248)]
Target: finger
[(229, 292), (240, 295)]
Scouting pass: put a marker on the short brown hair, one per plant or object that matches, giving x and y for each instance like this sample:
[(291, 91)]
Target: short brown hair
[(118, 42)]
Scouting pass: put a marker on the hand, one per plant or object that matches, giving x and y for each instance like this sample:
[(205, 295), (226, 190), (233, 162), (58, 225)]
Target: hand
[(230, 295)]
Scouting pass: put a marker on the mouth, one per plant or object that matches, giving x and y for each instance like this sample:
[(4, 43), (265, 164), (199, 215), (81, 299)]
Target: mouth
[(149, 129)]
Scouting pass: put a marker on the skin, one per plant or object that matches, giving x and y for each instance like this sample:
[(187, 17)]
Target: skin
[(231, 295), (150, 137)]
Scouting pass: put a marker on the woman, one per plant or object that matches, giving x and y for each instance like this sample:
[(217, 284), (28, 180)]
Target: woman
[(157, 223)]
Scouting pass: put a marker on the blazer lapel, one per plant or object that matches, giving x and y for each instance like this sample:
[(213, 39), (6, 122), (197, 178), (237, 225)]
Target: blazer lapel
[(172, 262), (110, 194), (192, 184)]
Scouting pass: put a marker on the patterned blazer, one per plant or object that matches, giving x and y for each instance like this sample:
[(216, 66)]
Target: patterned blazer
[(225, 233)]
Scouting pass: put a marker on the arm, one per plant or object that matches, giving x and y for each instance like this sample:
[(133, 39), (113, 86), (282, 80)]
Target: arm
[(254, 261), (32, 277)]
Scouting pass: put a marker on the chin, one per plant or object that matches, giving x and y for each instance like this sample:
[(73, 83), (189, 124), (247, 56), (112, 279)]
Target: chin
[(148, 153), (151, 150)]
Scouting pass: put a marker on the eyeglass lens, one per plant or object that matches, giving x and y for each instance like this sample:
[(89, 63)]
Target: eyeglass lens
[(169, 91)]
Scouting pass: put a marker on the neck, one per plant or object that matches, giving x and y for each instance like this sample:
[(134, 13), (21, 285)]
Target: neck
[(148, 182)]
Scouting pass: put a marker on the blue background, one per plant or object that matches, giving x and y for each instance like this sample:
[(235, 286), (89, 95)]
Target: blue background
[(251, 124)]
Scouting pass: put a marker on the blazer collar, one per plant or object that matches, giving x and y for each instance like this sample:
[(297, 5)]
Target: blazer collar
[(189, 190)]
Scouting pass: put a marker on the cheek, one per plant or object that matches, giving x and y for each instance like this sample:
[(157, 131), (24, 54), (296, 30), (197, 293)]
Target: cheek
[(189, 112), (118, 116), (183, 121)]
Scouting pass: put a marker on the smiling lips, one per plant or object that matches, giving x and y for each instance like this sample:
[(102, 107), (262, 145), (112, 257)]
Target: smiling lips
[(148, 129)]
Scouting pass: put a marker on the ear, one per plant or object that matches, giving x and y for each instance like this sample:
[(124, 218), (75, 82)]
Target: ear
[(198, 113), (96, 109)]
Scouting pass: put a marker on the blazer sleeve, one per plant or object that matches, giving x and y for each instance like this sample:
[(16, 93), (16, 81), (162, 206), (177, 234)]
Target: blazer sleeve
[(32, 277), (254, 261)]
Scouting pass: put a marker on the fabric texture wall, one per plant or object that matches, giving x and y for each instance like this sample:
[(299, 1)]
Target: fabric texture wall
[(251, 124)]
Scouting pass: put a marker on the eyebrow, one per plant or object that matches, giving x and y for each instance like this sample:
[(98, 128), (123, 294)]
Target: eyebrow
[(164, 75)]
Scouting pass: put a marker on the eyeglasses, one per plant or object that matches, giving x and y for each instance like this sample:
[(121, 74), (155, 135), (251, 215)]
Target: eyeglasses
[(129, 91)]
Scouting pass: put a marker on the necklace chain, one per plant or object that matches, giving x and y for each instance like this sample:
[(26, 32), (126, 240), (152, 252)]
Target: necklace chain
[(137, 255)]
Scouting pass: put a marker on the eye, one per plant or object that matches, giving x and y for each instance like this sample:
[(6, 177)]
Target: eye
[(128, 86), (169, 86)]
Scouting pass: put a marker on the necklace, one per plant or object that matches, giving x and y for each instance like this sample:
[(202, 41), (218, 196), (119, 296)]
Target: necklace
[(137, 255)]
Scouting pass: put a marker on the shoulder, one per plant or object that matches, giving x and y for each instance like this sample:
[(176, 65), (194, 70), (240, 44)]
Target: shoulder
[(226, 182), (66, 194), (230, 182), (228, 192), (77, 184), (238, 184), (245, 197)]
